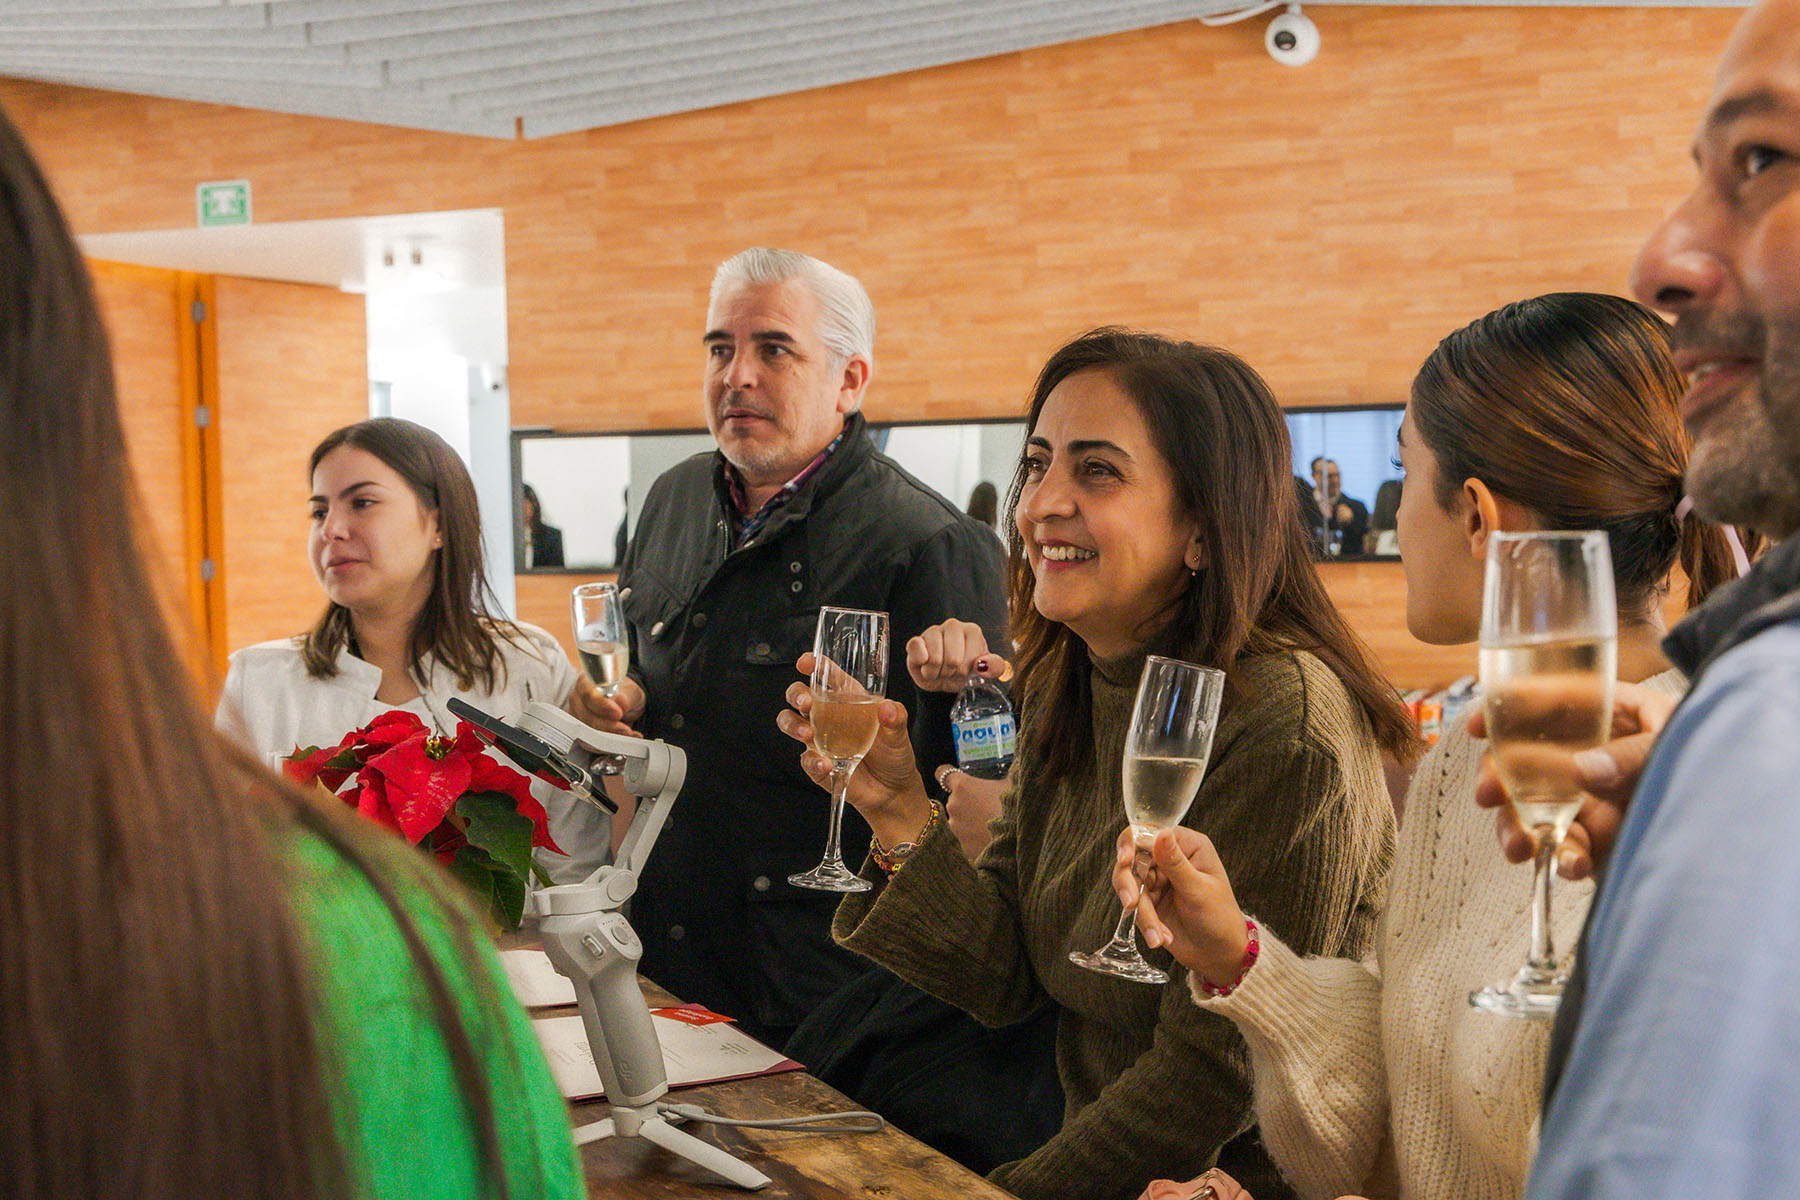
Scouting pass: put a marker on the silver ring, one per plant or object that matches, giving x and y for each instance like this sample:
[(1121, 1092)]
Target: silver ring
[(1207, 1190), (943, 773)]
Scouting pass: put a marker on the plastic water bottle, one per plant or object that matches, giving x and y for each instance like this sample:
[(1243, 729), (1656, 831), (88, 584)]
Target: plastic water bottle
[(982, 720)]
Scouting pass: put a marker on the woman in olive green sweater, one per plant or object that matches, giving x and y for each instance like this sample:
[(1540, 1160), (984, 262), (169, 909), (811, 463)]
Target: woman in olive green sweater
[(1154, 513)]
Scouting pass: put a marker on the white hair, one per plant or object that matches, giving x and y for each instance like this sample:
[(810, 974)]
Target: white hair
[(846, 315)]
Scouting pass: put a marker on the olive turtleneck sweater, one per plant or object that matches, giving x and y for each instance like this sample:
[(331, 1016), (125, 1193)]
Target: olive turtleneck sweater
[(1295, 802)]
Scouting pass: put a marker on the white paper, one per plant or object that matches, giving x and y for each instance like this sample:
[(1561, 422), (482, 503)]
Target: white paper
[(692, 1054), (534, 981)]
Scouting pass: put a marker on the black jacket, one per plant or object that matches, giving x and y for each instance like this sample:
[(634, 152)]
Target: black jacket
[(714, 635)]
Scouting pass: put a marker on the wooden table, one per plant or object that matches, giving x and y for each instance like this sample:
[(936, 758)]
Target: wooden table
[(890, 1165), (816, 1166)]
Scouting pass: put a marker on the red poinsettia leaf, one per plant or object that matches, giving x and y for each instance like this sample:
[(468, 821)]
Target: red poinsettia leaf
[(487, 775), (469, 739), (391, 728), (327, 765), (370, 799), (304, 765), (420, 789)]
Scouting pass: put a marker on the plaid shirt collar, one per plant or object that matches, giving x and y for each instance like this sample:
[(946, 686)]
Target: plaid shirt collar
[(746, 523)]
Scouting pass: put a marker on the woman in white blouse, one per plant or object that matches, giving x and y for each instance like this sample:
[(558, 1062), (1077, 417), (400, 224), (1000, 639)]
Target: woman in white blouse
[(409, 620)]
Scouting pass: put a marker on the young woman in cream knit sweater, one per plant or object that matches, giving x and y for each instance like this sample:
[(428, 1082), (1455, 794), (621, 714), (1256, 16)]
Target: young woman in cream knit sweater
[(1378, 1077)]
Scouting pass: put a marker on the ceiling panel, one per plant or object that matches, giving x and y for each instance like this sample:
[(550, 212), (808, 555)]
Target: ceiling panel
[(532, 68)]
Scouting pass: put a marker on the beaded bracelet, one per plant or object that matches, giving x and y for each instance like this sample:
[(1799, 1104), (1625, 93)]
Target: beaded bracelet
[(892, 860), (1251, 949)]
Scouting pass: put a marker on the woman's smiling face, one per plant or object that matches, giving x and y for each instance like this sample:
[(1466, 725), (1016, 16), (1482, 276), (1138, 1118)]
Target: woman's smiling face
[(1099, 517)]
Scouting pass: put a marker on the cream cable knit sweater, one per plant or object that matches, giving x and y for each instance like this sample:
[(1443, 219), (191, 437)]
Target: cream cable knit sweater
[(1380, 1079)]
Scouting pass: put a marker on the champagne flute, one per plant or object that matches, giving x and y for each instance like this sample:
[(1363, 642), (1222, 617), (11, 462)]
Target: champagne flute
[(600, 635), (849, 678), (1549, 654), (600, 641), (1166, 750)]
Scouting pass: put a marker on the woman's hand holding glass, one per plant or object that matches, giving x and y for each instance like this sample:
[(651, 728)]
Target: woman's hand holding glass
[(1166, 750), (886, 787), (942, 658), (1209, 1185), (1186, 904)]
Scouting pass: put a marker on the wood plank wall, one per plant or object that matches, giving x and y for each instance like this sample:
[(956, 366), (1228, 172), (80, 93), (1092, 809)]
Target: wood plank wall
[(1330, 223)]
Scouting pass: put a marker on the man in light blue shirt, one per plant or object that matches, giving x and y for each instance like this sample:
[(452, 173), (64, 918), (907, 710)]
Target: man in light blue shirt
[(1675, 1069)]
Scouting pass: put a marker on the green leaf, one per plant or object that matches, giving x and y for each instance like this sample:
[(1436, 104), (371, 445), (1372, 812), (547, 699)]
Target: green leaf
[(473, 869), (496, 826), (508, 898), (494, 885)]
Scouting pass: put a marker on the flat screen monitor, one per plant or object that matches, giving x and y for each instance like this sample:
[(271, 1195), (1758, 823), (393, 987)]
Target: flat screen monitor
[(1359, 446)]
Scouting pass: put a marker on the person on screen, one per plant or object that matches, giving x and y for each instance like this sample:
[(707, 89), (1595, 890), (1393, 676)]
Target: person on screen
[(215, 985), (1346, 519), (409, 622), (984, 506), (1382, 538), (1154, 515), (1378, 1077), (1312, 521), (543, 541)]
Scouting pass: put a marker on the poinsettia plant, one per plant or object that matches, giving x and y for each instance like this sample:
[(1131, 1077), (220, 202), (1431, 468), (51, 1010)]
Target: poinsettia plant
[(445, 795)]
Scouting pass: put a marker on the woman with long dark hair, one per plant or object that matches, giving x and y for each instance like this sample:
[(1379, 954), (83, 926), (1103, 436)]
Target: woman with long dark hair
[(409, 620), (543, 541), (1558, 412), (212, 985), (1154, 513)]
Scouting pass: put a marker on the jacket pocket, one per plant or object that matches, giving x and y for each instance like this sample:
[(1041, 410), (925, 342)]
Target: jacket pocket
[(778, 641), (650, 609), (797, 963)]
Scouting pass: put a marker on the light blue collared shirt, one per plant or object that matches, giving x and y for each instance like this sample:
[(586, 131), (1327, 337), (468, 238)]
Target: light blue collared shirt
[(1683, 1079)]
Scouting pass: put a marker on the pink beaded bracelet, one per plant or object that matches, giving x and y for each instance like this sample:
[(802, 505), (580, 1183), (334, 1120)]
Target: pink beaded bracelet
[(1251, 949)]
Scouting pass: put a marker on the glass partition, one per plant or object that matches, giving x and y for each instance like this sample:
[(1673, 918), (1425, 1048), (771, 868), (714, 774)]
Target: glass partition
[(589, 488), (586, 490)]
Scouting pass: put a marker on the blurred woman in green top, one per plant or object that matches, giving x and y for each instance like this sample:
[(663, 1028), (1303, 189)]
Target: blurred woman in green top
[(212, 985)]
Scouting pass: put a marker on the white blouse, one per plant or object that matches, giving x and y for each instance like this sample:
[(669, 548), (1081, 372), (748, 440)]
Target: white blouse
[(272, 705)]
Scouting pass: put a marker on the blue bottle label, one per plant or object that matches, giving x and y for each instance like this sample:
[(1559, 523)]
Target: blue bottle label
[(985, 739)]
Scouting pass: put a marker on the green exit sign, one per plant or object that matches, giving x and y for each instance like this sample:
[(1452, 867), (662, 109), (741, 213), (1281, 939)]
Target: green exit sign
[(226, 202)]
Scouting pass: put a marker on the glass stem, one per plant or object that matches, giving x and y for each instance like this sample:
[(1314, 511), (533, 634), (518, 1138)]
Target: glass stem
[(1140, 867), (840, 789), (1543, 954), (1122, 934)]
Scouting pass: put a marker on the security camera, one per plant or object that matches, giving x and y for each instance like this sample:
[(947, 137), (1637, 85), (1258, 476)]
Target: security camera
[(1292, 38)]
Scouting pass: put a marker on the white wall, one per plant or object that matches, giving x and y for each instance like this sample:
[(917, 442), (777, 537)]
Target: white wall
[(442, 358)]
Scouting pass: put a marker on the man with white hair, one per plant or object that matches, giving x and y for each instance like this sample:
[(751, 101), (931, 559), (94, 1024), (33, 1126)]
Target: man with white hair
[(733, 556)]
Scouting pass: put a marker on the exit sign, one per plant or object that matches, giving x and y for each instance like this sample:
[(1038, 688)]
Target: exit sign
[(226, 202)]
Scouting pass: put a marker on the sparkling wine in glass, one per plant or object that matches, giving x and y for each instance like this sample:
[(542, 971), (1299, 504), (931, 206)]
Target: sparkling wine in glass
[(600, 635), (601, 643), (1166, 750), (850, 662), (1549, 654)]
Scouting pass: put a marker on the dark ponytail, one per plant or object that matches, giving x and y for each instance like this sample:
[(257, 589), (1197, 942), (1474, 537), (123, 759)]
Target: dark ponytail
[(1567, 404), (1706, 557)]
